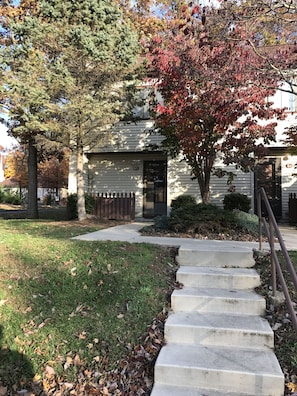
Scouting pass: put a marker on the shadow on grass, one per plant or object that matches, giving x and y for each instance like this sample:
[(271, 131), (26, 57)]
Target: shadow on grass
[(16, 371)]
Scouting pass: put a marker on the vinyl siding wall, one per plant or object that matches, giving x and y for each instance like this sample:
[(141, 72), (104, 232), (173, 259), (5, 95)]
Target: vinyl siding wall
[(119, 172), (179, 182), (129, 137), (119, 167), (289, 181)]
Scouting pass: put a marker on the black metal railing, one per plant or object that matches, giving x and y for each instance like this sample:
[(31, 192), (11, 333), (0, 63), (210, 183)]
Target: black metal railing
[(272, 231)]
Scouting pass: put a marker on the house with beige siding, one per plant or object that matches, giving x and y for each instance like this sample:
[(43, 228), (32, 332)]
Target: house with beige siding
[(133, 161)]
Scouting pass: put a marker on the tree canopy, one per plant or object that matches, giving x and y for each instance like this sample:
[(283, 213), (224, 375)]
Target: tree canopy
[(64, 66), (216, 94)]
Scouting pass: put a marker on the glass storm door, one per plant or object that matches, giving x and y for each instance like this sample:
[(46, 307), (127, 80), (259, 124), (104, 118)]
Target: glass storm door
[(268, 176), (154, 189)]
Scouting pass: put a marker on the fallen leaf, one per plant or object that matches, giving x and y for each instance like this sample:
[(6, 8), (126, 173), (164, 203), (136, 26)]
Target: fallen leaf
[(3, 390), (41, 325), (292, 387), (36, 378), (77, 361), (49, 370), (82, 335), (68, 362)]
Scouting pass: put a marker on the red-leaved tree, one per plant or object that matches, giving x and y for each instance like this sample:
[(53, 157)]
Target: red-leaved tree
[(215, 92)]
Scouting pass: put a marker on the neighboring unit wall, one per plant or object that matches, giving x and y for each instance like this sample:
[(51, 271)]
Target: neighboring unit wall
[(289, 180)]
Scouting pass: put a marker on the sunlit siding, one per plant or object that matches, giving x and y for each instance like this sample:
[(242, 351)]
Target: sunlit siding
[(130, 137), (180, 182)]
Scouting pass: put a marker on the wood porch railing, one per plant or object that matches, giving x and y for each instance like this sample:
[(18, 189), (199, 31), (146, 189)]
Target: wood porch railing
[(115, 206)]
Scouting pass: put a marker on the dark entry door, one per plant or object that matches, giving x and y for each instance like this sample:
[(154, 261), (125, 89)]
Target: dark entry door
[(268, 176), (155, 188)]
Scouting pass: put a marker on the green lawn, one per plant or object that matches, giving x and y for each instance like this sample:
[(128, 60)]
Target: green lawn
[(76, 308), (66, 303)]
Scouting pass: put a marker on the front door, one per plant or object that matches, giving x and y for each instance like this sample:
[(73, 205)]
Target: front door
[(268, 176), (154, 188)]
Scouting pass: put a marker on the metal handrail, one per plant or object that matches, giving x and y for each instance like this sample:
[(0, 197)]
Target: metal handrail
[(272, 231)]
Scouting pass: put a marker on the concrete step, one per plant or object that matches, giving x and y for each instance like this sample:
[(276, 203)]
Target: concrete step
[(217, 255), (227, 278), (239, 370), (217, 300), (218, 329), (168, 390)]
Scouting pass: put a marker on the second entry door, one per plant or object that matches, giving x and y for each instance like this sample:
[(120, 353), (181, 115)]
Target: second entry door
[(154, 188), (268, 176)]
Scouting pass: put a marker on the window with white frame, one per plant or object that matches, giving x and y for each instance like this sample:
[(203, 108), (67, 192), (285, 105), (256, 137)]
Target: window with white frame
[(284, 97)]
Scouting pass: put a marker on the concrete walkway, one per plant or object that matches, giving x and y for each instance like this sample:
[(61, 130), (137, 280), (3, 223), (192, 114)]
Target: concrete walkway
[(130, 233)]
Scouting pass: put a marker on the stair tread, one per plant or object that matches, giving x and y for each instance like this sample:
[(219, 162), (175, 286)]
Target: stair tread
[(217, 271), (226, 321), (218, 254), (217, 293), (214, 358)]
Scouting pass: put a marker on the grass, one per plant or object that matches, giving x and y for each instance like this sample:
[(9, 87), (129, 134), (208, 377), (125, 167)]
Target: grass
[(65, 301), (75, 307)]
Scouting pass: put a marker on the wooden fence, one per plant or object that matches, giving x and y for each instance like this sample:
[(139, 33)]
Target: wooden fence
[(115, 206), (293, 207)]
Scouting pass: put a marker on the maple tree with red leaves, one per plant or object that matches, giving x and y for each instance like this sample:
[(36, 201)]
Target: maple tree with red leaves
[(215, 91)]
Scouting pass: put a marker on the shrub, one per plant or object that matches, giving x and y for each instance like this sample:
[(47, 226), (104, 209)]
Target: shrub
[(182, 201), (72, 205), (47, 199), (2, 194), (161, 222), (89, 203), (189, 218), (237, 201), (247, 221), (12, 197)]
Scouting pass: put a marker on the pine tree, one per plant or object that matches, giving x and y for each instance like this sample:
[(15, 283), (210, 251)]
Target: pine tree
[(64, 63), (95, 52)]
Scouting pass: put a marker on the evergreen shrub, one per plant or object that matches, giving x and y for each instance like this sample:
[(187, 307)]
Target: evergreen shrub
[(11, 197), (189, 217), (72, 205), (237, 201), (2, 195), (182, 201)]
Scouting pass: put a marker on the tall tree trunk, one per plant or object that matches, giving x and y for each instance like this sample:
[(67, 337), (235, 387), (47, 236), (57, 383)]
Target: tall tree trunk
[(32, 210), (202, 171), (81, 207)]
